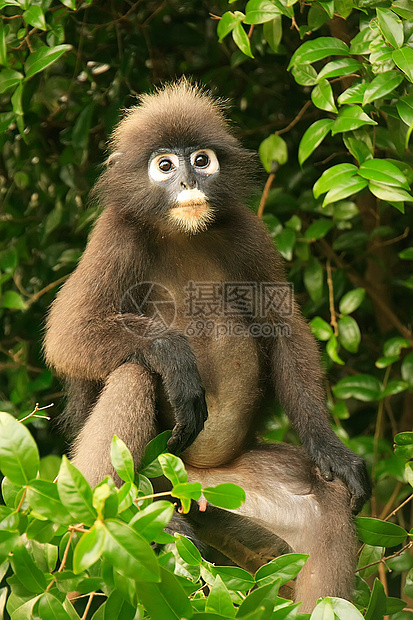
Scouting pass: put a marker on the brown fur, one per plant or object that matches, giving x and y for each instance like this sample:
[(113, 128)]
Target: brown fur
[(113, 357)]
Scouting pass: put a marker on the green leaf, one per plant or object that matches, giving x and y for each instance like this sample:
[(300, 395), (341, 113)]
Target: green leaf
[(359, 144), (349, 334), (318, 229), (229, 496), (353, 186), (129, 553), (403, 58), (350, 118), (89, 549), (394, 387), (320, 328), (219, 600), (344, 7), (34, 16), (236, 579), (173, 468), (382, 85), (407, 369), (403, 8), (12, 300), (272, 32), (42, 58), (187, 490), (117, 608), (384, 362), (352, 300), (241, 40), (323, 610), (393, 346), (336, 175), (122, 460), (285, 567), (344, 610), (363, 387), (19, 456), (305, 75), (188, 552), (313, 137), (354, 94), (389, 193), (50, 608), (391, 27), (261, 597), (43, 497), (322, 96), (166, 600), (273, 150), (150, 465), (76, 493), (9, 79), (153, 519), (227, 24), (26, 570), (381, 533), (339, 68), (406, 254), (260, 11), (285, 243), (382, 171), (332, 349), (317, 49), (314, 279)]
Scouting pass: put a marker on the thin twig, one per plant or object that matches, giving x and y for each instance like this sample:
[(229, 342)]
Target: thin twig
[(265, 193), (33, 413), (295, 120), (406, 501), (44, 290), (88, 606), (389, 557)]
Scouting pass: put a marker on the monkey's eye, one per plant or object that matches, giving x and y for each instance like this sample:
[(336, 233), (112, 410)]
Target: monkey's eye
[(165, 165), (205, 161), (162, 166)]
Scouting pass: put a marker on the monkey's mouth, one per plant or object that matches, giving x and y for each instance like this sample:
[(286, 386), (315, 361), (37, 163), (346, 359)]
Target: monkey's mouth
[(191, 211)]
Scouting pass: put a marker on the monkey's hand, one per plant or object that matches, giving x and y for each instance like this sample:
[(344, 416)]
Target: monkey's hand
[(336, 460), (172, 358)]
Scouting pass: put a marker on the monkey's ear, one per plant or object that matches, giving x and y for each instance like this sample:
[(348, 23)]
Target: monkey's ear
[(113, 159)]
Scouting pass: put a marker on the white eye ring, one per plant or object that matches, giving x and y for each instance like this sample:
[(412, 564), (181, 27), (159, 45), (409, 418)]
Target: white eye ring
[(155, 170), (211, 167)]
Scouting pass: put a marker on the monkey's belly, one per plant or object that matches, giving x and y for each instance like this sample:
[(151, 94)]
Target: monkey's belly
[(230, 372)]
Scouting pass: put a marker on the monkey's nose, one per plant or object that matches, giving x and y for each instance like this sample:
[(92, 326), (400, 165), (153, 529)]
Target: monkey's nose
[(188, 184)]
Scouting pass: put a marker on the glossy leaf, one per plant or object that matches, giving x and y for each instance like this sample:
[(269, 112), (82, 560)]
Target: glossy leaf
[(261, 597), (122, 460), (9, 79), (403, 58), (42, 495), (339, 68), (173, 468), (285, 243), (188, 552), (227, 24), (317, 49), (236, 579), (153, 519), (352, 300), (344, 610), (129, 553), (353, 186), (382, 171), (51, 608), (320, 328), (377, 532), (332, 349), (336, 175), (314, 278), (389, 193), (260, 11), (391, 27), (219, 600), (407, 369), (273, 150), (187, 490), (34, 16), (76, 493), (350, 118), (89, 549), (285, 567), (349, 334), (322, 96), (354, 94), (166, 600), (382, 85), (272, 32), (377, 604), (318, 229), (305, 75), (26, 570), (227, 495), (241, 40), (363, 387), (313, 137), (19, 456), (43, 57)]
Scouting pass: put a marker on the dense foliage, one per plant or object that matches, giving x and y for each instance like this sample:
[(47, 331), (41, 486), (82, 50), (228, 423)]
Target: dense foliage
[(324, 90)]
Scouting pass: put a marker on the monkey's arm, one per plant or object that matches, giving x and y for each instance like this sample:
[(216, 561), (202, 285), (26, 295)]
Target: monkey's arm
[(298, 382), (88, 338)]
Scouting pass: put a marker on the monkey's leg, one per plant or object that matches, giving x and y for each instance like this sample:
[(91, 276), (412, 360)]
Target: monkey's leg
[(286, 495), (126, 408)]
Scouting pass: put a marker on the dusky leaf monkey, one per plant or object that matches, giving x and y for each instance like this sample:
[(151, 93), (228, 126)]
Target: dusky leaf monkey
[(175, 219)]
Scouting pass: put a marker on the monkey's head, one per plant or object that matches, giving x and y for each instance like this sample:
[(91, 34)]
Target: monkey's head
[(174, 164)]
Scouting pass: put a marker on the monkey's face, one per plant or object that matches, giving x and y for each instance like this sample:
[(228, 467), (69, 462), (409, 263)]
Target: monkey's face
[(185, 174)]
